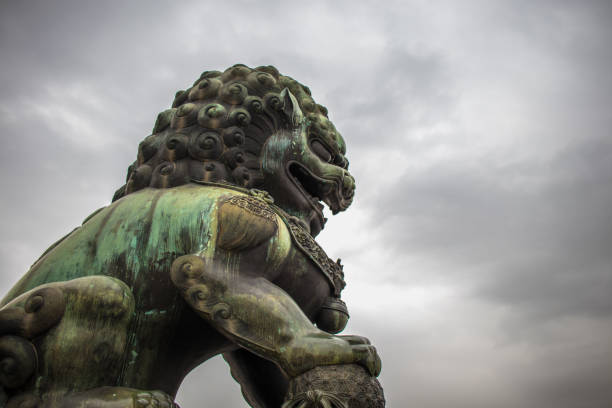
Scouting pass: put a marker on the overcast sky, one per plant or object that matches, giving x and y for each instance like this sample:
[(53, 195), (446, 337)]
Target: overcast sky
[(478, 251)]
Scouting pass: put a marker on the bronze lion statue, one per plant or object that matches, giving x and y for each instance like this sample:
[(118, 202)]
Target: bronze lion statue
[(207, 249)]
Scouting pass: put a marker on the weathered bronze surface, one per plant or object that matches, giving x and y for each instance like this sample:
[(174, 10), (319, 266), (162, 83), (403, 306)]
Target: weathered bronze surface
[(207, 249)]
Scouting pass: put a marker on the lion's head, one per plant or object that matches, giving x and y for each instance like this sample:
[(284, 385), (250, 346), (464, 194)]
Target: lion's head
[(253, 128)]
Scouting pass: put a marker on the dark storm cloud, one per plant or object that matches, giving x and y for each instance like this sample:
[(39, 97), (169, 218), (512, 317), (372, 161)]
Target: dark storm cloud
[(478, 132), (542, 242)]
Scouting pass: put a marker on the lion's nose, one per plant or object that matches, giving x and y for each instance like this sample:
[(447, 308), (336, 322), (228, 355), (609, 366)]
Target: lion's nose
[(348, 185)]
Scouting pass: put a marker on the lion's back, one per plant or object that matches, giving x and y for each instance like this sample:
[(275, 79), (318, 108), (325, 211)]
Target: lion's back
[(135, 239)]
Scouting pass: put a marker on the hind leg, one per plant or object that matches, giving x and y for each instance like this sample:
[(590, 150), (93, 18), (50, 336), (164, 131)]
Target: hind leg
[(118, 397), (103, 397), (79, 328)]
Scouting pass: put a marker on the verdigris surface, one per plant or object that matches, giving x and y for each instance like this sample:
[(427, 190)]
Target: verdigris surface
[(207, 249)]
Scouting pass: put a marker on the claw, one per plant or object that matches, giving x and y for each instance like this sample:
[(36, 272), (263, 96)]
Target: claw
[(370, 360), (354, 340)]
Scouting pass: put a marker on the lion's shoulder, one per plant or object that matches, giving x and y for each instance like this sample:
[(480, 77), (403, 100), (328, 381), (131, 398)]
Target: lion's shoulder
[(246, 221)]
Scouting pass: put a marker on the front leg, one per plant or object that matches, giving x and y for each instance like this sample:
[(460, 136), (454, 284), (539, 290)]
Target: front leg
[(264, 319)]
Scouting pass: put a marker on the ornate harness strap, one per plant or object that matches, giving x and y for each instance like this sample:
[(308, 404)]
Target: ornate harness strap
[(306, 243), (254, 206), (260, 202)]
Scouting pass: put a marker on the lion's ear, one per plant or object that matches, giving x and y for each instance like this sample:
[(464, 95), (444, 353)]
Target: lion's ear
[(291, 108)]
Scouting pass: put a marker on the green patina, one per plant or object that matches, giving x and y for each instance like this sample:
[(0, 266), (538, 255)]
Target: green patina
[(207, 249)]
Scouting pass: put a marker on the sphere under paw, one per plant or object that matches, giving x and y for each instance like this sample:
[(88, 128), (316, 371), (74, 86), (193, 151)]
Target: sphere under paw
[(337, 386)]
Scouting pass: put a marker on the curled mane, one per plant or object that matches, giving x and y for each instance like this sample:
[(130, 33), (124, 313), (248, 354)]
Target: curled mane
[(216, 129)]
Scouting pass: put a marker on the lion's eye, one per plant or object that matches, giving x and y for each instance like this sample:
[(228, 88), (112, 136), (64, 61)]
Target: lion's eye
[(321, 151)]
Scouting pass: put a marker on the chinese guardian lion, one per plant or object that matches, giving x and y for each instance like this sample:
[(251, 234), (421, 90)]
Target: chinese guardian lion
[(207, 249)]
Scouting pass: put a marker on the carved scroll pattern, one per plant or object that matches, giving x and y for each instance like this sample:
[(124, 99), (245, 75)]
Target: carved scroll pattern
[(332, 270), (254, 206), (261, 203)]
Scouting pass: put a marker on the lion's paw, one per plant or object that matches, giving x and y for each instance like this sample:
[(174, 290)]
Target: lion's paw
[(153, 399)]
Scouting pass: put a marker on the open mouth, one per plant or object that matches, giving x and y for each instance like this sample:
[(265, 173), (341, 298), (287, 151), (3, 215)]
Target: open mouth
[(315, 189)]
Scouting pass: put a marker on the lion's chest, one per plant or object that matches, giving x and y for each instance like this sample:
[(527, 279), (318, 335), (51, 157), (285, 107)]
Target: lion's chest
[(304, 282)]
